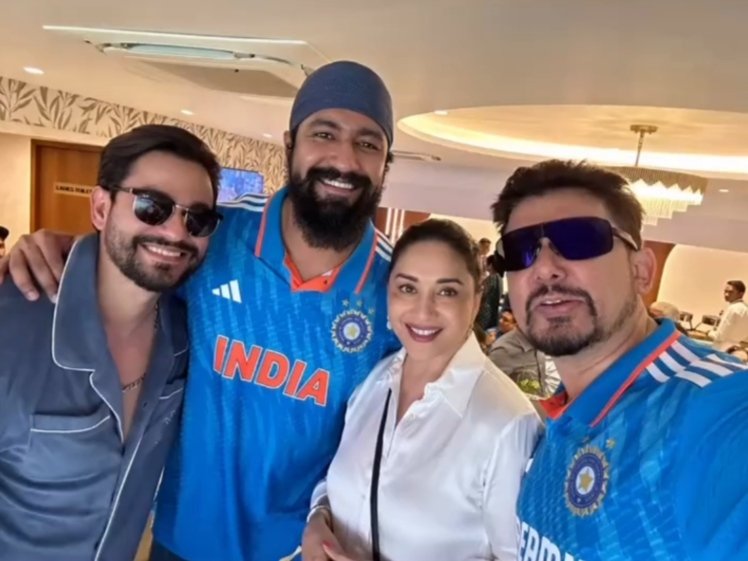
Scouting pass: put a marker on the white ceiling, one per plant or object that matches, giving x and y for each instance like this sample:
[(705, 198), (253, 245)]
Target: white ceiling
[(442, 54)]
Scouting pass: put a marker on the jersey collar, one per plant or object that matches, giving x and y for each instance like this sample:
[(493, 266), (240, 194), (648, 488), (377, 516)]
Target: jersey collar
[(591, 407), (271, 249)]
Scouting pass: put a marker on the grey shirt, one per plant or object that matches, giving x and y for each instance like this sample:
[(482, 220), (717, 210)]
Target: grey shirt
[(512, 351), (71, 488), (518, 359)]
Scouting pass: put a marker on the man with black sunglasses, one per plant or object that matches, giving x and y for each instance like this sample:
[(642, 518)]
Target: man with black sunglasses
[(91, 386), (639, 460), (286, 317)]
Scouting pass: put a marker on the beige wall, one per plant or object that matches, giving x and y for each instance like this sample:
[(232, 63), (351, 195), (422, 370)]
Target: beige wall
[(476, 228), (94, 121), (694, 277), (15, 184)]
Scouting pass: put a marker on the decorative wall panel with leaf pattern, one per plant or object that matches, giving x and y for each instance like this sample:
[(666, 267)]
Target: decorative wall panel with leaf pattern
[(40, 106)]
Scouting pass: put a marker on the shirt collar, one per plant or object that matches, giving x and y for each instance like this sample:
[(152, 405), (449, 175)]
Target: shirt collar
[(603, 393), (458, 380), (271, 249), (78, 337)]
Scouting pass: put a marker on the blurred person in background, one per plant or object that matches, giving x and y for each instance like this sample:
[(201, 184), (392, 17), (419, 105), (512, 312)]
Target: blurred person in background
[(484, 247), (733, 324), (516, 357), (488, 313), (4, 233)]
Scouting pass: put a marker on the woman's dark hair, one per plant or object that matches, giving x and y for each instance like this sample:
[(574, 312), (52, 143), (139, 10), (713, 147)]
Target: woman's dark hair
[(543, 178), (124, 150), (446, 232)]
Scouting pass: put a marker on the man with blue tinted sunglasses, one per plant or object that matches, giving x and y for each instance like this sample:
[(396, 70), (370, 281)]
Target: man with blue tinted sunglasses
[(639, 457)]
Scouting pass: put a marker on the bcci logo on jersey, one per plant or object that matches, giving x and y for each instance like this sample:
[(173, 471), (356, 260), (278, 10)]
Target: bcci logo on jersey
[(351, 331), (587, 481)]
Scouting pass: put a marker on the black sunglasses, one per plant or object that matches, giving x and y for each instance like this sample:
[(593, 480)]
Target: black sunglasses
[(574, 239), (154, 208)]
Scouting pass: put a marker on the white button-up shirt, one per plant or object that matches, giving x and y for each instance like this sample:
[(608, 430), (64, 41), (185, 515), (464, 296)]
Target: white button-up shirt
[(733, 326), (450, 470)]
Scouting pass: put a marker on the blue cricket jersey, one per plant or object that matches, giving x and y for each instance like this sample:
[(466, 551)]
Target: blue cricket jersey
[(649, 463), (271, 370)]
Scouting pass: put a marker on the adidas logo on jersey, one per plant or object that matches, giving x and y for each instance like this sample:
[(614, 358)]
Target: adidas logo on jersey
[(229, 291)]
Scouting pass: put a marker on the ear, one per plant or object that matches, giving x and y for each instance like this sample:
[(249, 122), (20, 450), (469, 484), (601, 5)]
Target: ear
[(288, 141), (644, 269), (101, 204)]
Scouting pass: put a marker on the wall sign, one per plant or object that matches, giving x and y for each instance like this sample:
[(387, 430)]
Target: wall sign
[(72, 189)]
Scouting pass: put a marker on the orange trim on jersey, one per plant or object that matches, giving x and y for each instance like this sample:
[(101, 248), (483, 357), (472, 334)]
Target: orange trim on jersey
[(369, 263), (556, 405), (261, 235), (321, 283), (634, 375)]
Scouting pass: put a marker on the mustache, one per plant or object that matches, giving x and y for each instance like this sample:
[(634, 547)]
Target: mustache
[(560, 290), (358, 180), (181, 245)]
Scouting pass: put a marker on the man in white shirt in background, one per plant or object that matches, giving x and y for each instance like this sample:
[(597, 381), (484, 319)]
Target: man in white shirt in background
[(733, 325)]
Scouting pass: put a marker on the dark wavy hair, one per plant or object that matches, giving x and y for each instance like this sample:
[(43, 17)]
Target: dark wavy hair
[(124, 150), (609, 187), (447, 232)]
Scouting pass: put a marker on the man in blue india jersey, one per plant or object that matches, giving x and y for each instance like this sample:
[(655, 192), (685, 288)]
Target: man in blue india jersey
[(287, 316), (644, 452)]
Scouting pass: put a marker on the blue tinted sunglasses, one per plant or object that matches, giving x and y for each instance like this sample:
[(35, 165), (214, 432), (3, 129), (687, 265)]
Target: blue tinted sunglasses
[(575, 239)]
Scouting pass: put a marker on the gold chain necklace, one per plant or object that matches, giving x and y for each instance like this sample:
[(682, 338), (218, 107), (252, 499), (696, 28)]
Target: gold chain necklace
[(139, 381)]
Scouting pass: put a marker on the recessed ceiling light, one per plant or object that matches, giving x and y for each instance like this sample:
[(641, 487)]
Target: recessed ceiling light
[(441, 112), (187, 112), (724, 190), (267, 135), (33, 70)]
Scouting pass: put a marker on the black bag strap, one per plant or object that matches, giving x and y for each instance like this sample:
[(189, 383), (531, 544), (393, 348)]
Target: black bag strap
[(375, 483)]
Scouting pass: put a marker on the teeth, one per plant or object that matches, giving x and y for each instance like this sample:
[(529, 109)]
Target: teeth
[(339, 184), (551, 302), (424, 332), (163, 251)]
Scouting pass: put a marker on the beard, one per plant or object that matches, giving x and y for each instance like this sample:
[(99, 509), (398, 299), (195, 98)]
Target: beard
[(561, 337), (154, 278), (332, 223)]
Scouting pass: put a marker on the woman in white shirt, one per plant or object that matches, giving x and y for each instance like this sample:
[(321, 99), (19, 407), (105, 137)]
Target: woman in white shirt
[(451, 433)]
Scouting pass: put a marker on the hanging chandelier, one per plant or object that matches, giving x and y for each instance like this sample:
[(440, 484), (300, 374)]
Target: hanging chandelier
[(661, 192)]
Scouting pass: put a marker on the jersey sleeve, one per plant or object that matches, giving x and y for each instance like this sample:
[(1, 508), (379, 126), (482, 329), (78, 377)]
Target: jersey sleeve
[(711, 474)]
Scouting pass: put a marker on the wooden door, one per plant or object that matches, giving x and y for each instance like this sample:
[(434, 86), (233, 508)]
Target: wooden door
[(62, 180), (398, 221)]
